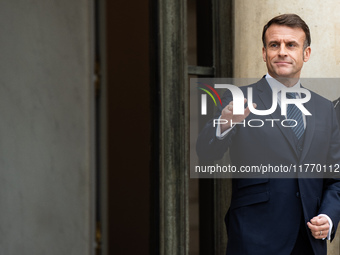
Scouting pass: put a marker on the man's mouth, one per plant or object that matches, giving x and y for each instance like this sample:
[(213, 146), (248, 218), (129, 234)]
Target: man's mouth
[(282, 63)]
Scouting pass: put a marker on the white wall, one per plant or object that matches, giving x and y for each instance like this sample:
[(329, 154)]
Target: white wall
[(46, 127)]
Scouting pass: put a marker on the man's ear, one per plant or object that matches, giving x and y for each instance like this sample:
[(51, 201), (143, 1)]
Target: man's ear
[(306, 54), (264, 54)]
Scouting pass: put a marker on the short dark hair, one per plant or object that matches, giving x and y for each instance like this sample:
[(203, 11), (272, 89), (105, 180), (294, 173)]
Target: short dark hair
[(289, 20)]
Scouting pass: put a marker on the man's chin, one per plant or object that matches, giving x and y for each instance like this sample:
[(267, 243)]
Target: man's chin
[(284, 74)]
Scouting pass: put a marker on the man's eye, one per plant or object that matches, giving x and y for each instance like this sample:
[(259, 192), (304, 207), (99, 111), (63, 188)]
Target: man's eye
[(274, 45)]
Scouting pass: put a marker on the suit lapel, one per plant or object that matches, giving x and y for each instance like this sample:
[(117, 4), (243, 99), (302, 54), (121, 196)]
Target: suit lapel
[(310, 127), (265, 95)]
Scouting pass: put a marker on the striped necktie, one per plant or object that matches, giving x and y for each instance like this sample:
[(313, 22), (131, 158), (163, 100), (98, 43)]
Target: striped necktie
[(294, 113)]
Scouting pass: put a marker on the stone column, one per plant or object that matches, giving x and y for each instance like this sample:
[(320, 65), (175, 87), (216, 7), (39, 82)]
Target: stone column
[(172, 82)]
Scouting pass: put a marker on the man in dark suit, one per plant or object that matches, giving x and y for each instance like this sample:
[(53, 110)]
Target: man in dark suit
[(279, 216)]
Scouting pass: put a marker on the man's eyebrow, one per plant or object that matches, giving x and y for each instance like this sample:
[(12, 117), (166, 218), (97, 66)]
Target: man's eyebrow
[(293, 41), (278, 42), (274, 41)]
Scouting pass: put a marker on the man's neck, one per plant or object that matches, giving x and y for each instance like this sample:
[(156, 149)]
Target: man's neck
[(288, 82)]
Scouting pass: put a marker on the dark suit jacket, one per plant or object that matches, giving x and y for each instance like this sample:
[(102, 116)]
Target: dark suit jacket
[(265, 213), (337, 108)]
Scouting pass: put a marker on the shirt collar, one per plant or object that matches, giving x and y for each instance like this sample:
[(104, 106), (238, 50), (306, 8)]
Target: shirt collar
[(273, 83)]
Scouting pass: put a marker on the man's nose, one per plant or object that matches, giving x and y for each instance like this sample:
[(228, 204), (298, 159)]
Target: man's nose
[(282, 50)]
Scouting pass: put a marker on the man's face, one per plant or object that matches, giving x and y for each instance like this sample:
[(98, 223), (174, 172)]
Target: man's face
[(284, 54)]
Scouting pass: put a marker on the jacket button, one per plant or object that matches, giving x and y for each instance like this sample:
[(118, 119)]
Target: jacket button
[(298, 194)]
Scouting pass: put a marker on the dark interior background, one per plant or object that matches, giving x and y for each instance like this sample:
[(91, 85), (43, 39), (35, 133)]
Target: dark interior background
[(129, 118)]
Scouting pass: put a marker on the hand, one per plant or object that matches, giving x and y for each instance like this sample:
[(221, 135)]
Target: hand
[(319, 227), (227, 114)]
